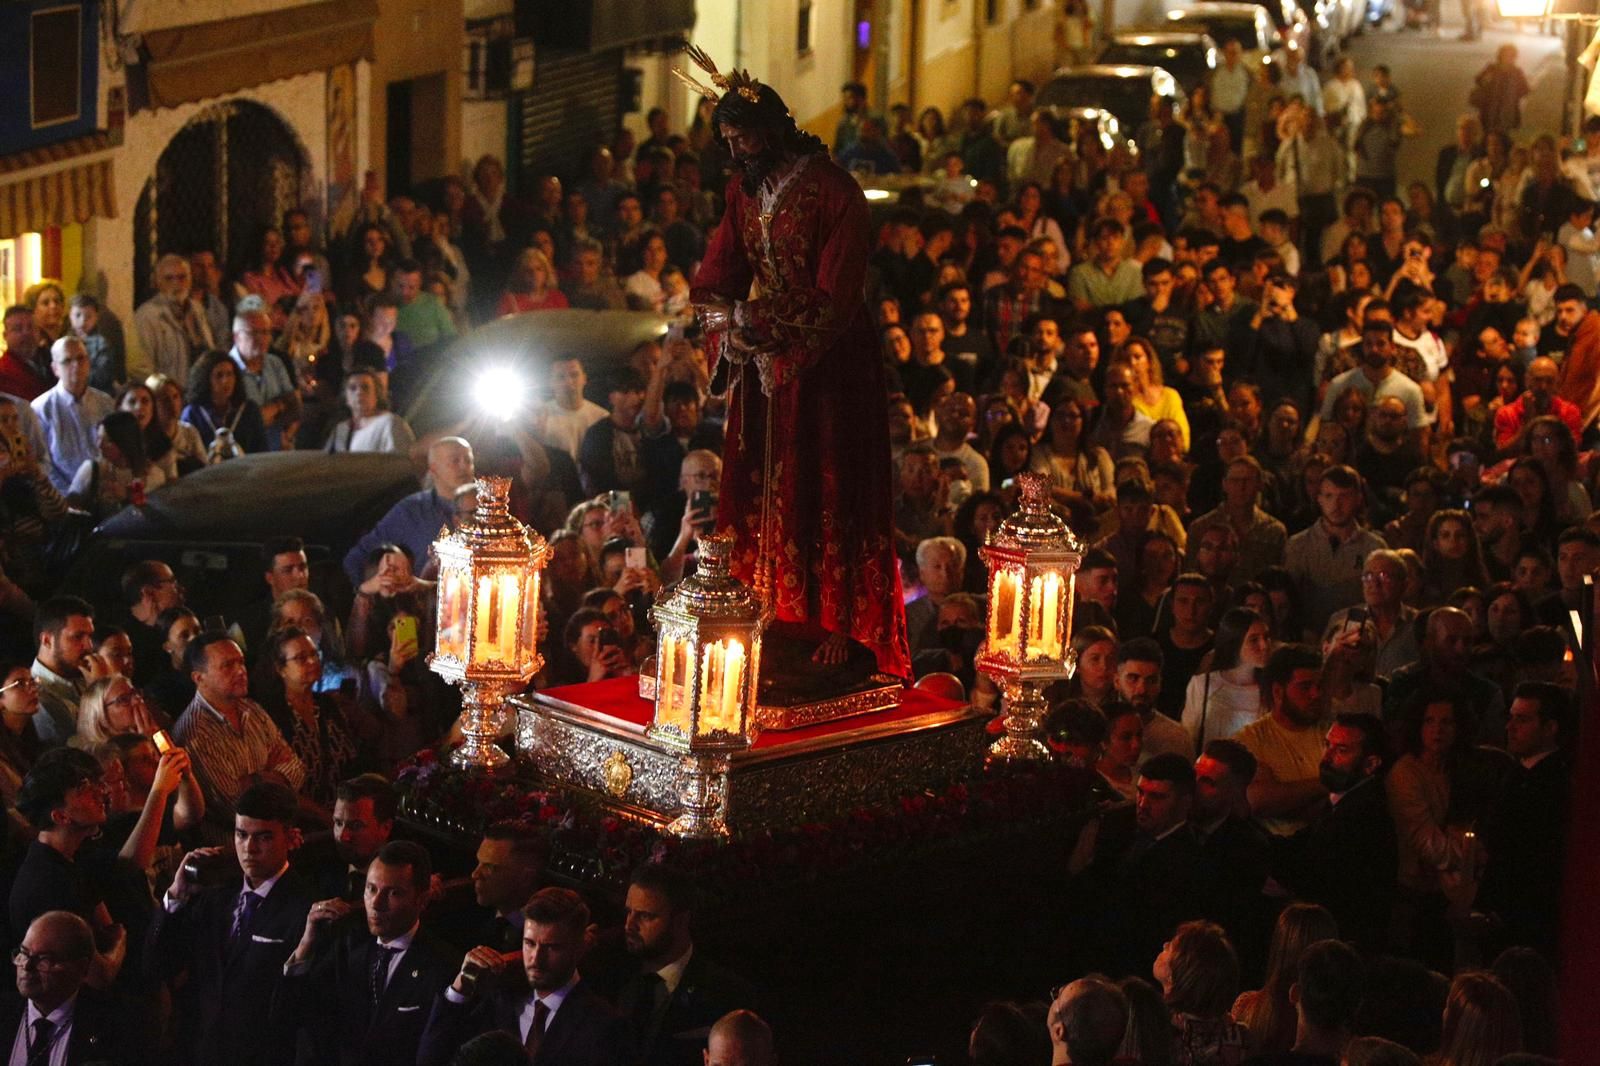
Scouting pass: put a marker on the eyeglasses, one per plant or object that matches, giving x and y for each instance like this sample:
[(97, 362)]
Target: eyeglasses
[(29, 682), (304, 657), (1374, 576), (128, 698), (27, 960)]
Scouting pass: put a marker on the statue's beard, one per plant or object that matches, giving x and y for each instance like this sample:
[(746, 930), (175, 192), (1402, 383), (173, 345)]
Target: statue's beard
[(758, 167)]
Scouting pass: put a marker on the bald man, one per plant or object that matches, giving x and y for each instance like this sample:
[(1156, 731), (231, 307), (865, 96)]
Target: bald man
[(70, 412), (1444, 674), (1511, 421), (740, 1038), (56, 1018), (414, 522)]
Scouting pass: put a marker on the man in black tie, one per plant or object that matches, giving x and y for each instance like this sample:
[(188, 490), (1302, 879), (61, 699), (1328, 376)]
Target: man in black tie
[(511, 860), (364, 809), (1525, 833), (559, 1017), (672, 994), (58, 1020), (233, 939), (1140, 876), (362, 993)]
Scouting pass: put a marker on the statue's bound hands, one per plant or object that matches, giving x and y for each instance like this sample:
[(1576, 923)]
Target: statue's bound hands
[(715, 316)]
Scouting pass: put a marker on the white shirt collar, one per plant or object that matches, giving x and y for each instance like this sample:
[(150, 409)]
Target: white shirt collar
[(672, 973), (1534, 760), (61, 1017), (264, 889), (553, 1000), (403, 941)]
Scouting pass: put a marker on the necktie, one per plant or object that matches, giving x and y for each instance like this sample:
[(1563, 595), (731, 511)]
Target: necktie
[(39, 1047), (243, 912), (651, 994), (381, 957), (355, 884), (541, 1015)]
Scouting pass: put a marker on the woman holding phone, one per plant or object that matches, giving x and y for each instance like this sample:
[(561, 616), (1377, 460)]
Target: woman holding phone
[(312, 722)]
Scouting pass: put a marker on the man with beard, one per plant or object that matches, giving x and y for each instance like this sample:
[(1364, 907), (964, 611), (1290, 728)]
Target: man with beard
[(557, 1016), (1511, 421), (1376, 378), (1386, 454), (672, 994), (1580, 370), (1080, 354), (1287, 742), (1348, 860), (806, 471)]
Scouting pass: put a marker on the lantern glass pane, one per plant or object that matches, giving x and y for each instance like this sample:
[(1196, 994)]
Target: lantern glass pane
[(453, 606), (721, 685), (1005, 619)]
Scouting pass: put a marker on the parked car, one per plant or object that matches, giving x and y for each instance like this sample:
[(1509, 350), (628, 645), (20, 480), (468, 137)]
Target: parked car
[(1248, 24), (1188, 57), (209, 526), (1291, 23), (1124, 90), (1102, 125)]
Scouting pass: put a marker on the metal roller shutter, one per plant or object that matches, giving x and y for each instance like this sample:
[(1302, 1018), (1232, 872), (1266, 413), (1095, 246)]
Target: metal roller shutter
[(574, 105)]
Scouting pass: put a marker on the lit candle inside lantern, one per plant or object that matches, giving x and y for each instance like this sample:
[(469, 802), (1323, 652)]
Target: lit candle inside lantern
[(732, 676), (1048, 592), (482, 643), (710, 687), (507, 636)]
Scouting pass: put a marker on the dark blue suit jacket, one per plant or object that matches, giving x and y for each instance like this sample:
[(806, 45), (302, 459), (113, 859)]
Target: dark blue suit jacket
[(586, 1031), (228, 998), (332, 1002)]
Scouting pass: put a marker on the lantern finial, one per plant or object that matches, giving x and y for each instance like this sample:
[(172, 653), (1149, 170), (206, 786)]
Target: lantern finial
[(1035, 490)]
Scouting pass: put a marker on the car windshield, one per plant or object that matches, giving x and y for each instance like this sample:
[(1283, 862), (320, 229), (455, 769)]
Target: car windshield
[(1126, 98), (1222, 29), (1186, 63)]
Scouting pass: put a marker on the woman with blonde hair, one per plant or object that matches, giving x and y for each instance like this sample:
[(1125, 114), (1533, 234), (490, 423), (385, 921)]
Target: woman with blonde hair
[(1151, 395), (112, 705), (533, 285), (48, 302), (1268, 1012)]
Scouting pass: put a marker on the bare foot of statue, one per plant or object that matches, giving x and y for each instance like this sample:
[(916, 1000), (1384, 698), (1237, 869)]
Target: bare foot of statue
[(833, 651)]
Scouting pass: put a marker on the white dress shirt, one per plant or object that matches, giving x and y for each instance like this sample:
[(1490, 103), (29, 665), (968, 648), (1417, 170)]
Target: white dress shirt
[(69, 423), (60, 1037)]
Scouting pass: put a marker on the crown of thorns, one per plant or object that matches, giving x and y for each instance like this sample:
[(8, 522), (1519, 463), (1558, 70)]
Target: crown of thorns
[(735, 81)]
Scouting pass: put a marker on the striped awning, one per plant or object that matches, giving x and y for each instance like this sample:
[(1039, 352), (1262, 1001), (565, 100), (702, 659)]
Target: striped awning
[(56, 186)]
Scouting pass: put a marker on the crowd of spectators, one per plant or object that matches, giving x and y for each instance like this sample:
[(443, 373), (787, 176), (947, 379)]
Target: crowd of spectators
[(1329, 466)]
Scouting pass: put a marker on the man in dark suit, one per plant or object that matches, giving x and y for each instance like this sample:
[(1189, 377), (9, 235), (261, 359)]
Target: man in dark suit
[(56, 1008), (671, 993), (233, 939), (1348, 860), (511, 859), (1141, 884), (1526, 831), (559, 1019), (1233, 846), (364, 809), (362, 993)]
